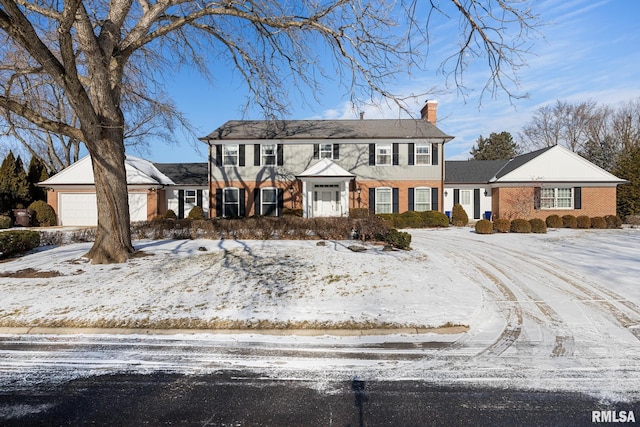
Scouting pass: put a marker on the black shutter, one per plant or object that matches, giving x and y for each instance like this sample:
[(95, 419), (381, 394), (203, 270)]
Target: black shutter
[(336, 151), (476, 203), (242, 209), (218, 155), (280, 195), (537, 196), (316, 151), (280, 155), (256, 201), (241, 155), (372, 154), (411, 152), (577, 198), (456, 196), (199, 198), (434, 199), (394, 148), (256, 155), (395, 201), (411, 201), (372, 200), (180, 204), (434, 154), (218, 202)]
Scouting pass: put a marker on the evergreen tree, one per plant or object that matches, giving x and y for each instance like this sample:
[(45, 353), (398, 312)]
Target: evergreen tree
[(499, 146), (629, 194), (14, 186), (37, 173)]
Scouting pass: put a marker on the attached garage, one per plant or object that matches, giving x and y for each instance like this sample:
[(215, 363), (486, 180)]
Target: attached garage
[(80, 209)]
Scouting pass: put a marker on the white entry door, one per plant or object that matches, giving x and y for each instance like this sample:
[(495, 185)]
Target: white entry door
[(326, 201)]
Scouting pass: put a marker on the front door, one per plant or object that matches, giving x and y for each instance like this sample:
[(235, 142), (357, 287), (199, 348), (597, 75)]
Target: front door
[(326, 201)]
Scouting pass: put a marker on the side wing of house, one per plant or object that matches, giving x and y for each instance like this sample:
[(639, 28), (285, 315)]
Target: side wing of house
[(550, 181), (325, 168)]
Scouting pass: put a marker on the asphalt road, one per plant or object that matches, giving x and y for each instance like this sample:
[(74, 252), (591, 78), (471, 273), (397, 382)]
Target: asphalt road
[(238, 399)]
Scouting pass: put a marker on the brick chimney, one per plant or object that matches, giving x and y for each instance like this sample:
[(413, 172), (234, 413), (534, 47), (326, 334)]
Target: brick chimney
[(429, 111)]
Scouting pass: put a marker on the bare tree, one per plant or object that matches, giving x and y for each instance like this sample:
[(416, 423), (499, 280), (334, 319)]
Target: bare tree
[(93, 50)]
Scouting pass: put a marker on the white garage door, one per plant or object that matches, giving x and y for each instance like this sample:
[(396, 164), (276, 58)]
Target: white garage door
[(81, 209)]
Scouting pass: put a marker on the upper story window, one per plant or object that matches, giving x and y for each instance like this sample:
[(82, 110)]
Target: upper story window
[(556, 198), (423, 154), (384, 154), (326, 151), (269, 153), (230, 155)]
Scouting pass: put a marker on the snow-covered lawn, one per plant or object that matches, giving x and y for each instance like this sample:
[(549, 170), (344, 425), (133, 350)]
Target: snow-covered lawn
[(296, 284), (555, 311)]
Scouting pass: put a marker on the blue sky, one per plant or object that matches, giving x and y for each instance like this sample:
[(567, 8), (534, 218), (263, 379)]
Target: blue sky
[(587, 49)]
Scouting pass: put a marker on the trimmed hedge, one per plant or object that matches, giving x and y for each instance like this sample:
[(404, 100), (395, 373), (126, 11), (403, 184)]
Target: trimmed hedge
[(413, 219), (484, 226), (569, 221), (583, 222), (45, 215), (598, 222), (554, 221), (538, 225), (292, 212), (501, 225), (520, 225), (17, 242), (5, 222)]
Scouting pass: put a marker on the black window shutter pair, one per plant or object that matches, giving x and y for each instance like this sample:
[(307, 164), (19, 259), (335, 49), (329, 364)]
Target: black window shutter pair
[(395, 199), (257, 207), (241, 155), (257, 155), (220, 204)]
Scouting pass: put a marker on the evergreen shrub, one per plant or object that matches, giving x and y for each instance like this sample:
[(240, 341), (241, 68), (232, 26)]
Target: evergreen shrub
[(459, 216), (598, 222), (501, 225), (17, 242), (613, 221), (554, 221), (170, 214), (583, 222), (538, 225), (398, 239), (520, 225), (196, 213), (5, 222), (569, 221), (484, 226), (45, 215)]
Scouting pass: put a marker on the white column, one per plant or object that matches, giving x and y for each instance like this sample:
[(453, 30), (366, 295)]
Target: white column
[(305, 210)]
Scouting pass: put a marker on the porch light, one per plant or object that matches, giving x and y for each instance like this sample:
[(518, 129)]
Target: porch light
[(291, 190), (358, 190), (446, 193)]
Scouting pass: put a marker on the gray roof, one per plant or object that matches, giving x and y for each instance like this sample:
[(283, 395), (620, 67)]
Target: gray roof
[(326, 129), (185, 173), (483, 171), (471, 171)]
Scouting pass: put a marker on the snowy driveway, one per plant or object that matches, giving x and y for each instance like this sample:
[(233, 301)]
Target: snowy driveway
[(558, 312)]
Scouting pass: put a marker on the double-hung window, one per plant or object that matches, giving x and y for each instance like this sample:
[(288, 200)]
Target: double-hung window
[(230, 155), (384, 200), (269, 153), (384, 154), (423, 154), (269, 202), (231, 202), (556, 198), (326, 151), (190, 197), (422, 199)]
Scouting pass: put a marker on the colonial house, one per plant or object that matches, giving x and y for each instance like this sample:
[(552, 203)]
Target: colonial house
[(552, 180), (153, 189), (326, 167)]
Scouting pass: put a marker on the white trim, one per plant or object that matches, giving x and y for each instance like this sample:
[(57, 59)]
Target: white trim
[(225, 203), (415, 154), (415, 197), (377, 190), (224, 154), (390, 154), (262, 190)]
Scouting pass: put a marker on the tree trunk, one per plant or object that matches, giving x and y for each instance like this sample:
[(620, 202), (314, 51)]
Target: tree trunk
[(113, 236)]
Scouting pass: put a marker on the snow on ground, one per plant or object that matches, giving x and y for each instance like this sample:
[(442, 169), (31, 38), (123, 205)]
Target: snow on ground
[(555, 311)]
